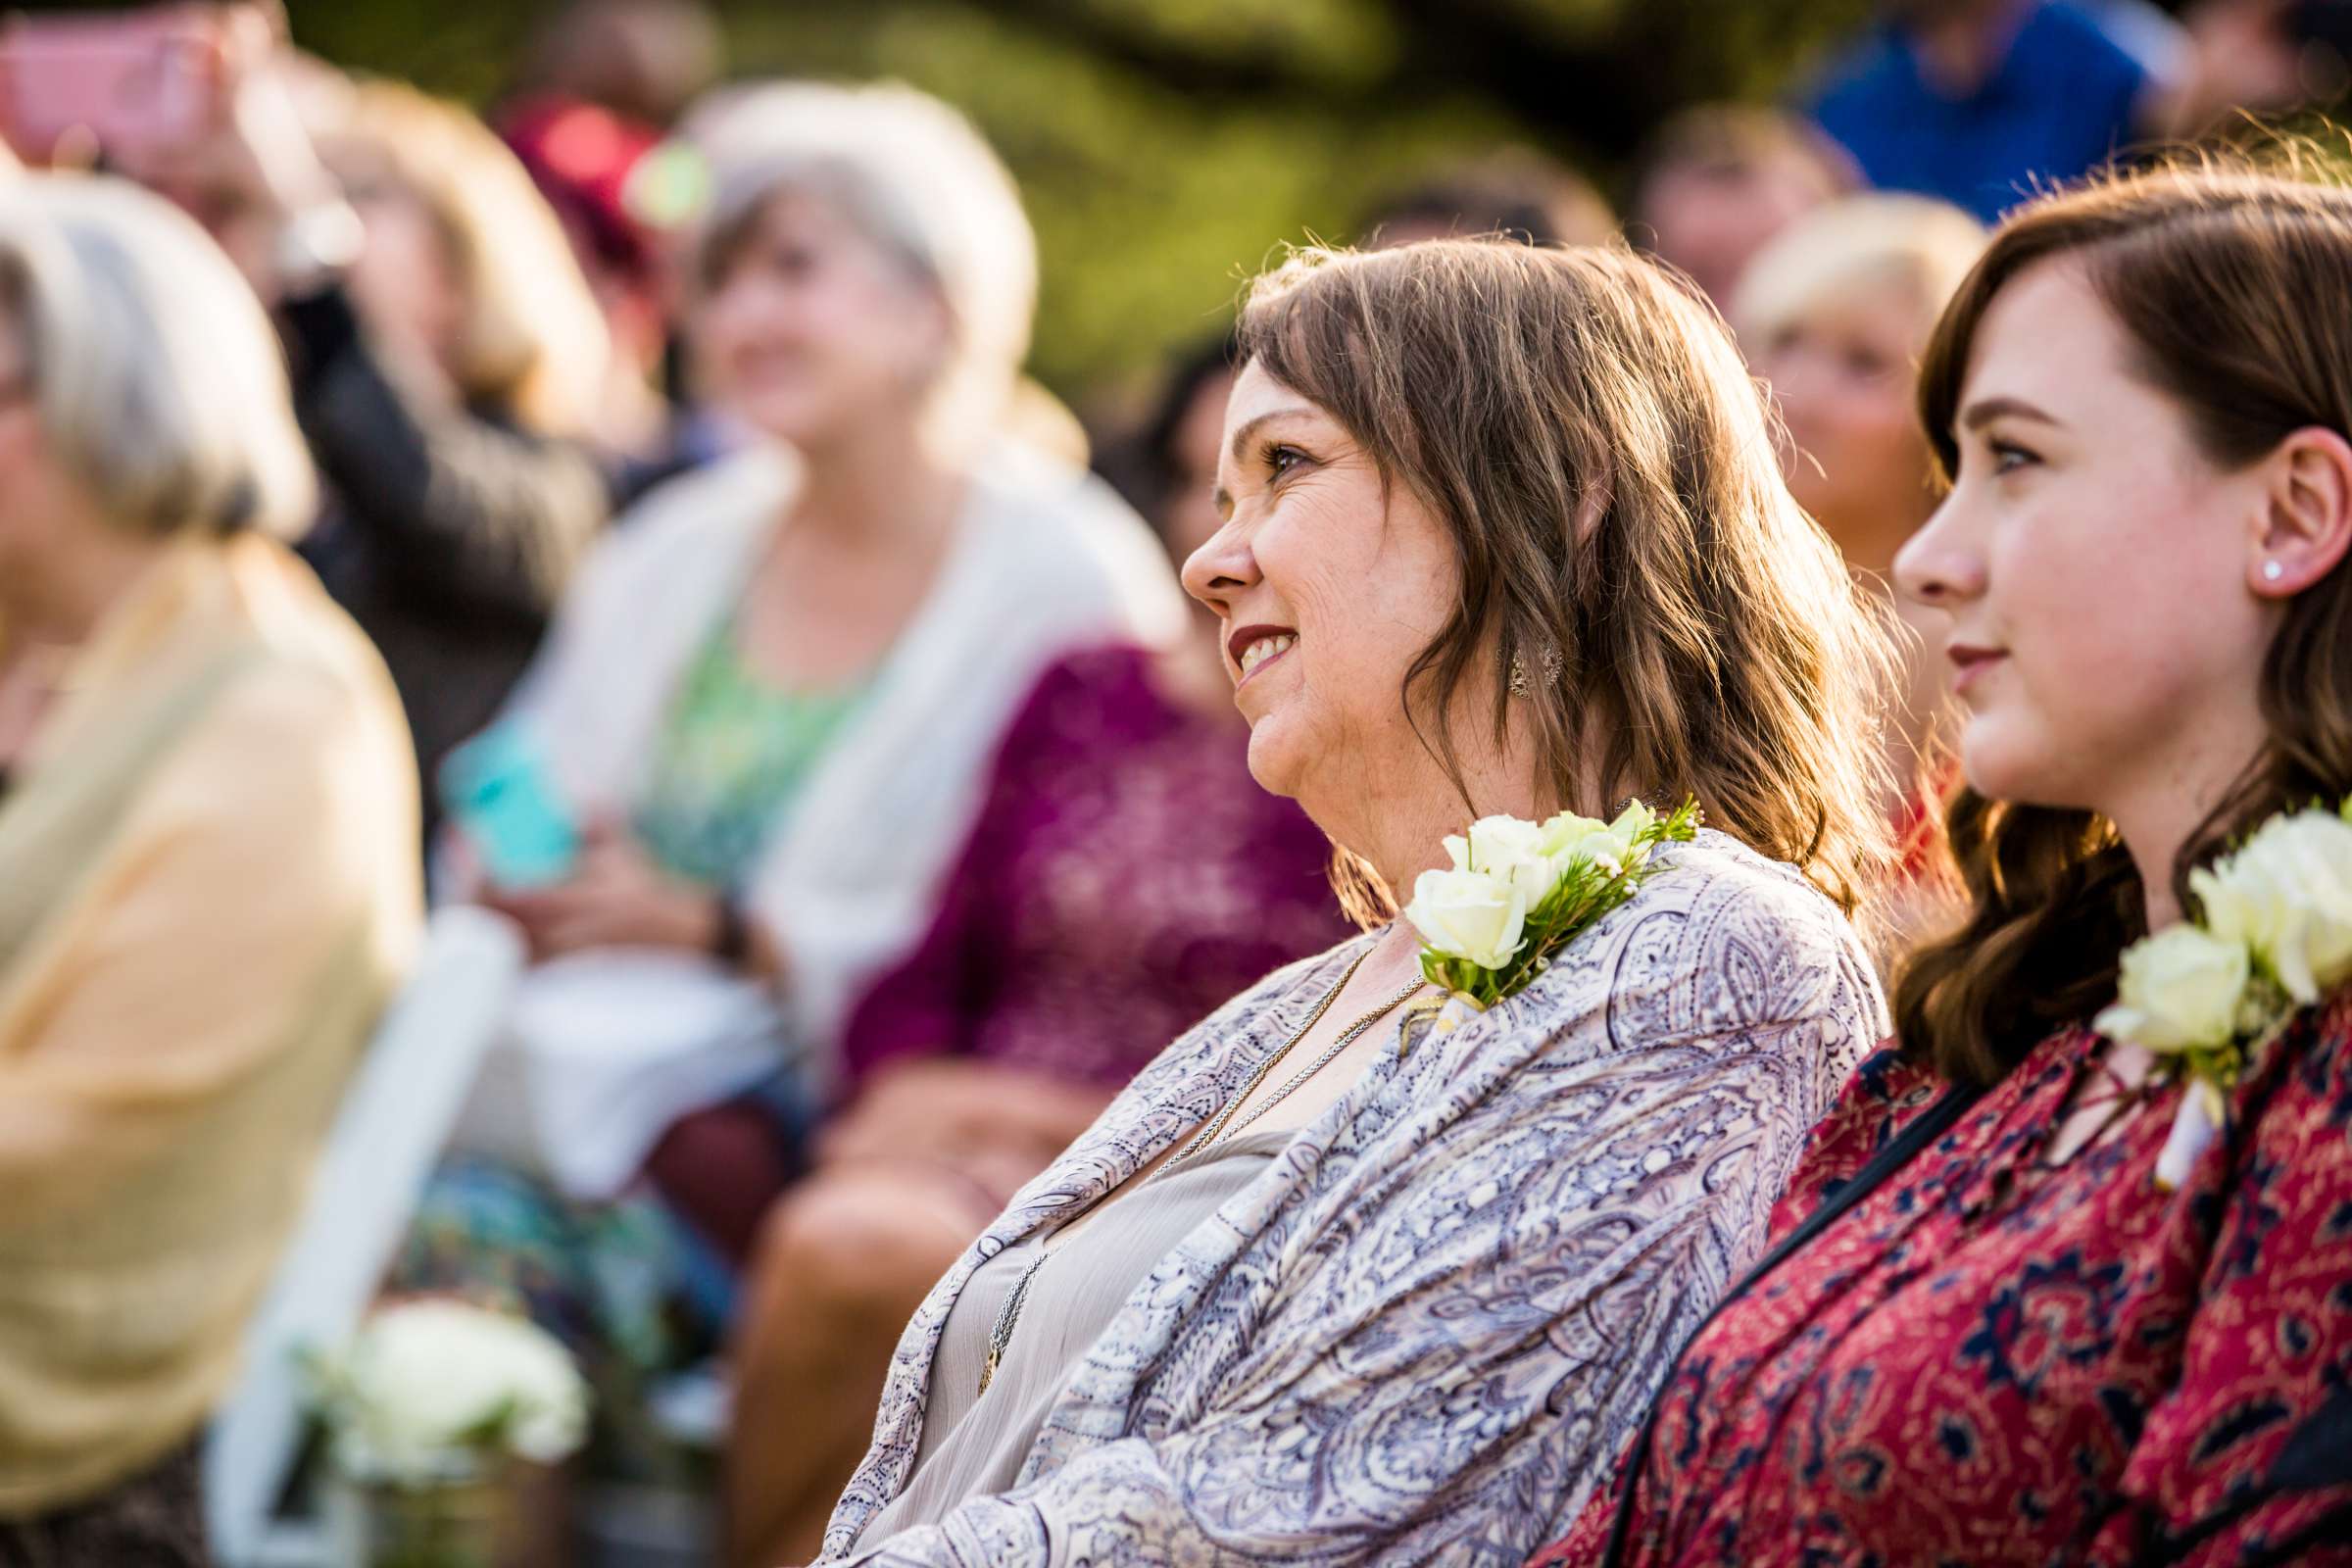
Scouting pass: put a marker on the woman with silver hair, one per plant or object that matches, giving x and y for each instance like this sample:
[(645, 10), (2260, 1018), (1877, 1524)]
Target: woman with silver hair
[(181, 707), (768, 704)]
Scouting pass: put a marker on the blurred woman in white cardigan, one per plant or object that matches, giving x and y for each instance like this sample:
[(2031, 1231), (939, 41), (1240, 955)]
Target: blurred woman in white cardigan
[(770, 704)]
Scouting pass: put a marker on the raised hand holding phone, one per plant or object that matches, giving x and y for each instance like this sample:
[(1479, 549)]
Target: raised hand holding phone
[(75, 89), (194, 102)]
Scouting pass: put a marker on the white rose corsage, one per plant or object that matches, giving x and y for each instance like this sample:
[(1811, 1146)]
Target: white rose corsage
[(2272, 935), (1520, 890)]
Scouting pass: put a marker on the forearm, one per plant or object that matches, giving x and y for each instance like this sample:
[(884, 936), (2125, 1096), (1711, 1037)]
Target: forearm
[(1042, 1108), (475, 514), (763, 955)]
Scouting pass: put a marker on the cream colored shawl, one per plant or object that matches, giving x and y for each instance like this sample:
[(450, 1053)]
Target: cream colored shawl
[(208, 888)]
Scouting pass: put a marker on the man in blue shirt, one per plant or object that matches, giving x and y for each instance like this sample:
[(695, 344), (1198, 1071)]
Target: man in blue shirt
[(1979, 101)]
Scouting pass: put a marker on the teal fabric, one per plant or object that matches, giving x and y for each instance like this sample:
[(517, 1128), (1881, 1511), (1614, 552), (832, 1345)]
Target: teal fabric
[(734, 754)]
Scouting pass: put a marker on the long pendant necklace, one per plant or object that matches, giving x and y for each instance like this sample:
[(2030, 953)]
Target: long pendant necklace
[(1009, 1316)]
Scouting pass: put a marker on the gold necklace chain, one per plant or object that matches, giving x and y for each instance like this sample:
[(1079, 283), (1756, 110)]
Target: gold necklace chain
[(1345, 1038), (1009, 1316)]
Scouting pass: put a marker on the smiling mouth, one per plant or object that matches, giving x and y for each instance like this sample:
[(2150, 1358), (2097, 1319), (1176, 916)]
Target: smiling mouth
[(1253, 648), (1970, 662)]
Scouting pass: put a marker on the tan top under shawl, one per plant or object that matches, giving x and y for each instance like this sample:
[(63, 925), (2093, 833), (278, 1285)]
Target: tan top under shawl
[(975, 1443)]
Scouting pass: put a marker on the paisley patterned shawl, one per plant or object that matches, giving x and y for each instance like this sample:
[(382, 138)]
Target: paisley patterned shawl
[(1428, 1331)]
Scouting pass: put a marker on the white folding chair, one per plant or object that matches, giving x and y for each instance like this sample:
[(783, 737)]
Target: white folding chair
[(404, 1099)]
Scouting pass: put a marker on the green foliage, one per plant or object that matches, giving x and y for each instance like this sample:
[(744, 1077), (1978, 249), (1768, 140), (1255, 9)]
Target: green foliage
[(1167, 148)]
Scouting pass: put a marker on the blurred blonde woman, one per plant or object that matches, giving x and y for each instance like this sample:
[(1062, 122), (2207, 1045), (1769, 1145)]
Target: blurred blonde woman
[(466, 264), (447, 359), (208, 878), (1833, 315)]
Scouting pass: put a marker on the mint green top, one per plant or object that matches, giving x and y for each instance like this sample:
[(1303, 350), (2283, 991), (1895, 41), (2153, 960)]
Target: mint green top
[(734, 753)]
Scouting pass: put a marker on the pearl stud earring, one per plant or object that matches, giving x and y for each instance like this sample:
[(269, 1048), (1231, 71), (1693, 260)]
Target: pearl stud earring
[(2272, 571)]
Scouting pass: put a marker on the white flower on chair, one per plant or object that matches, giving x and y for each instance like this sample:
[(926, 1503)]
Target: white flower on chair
[(431, 1391)]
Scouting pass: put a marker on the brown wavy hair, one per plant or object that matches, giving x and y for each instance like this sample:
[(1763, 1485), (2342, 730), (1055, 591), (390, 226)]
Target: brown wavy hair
[(2234, 287), (1605, 467)]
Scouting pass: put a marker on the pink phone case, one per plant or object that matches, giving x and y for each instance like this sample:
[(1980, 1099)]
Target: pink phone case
[(134, 78)]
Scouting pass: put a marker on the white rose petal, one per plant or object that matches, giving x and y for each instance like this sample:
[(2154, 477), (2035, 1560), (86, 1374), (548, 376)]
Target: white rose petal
[(2178, 991), (1634, 820), (1469, 916), (1567, 830), (1608, 849), (1637, 819), (1511, 849), (1498, 843), (2288, 896)]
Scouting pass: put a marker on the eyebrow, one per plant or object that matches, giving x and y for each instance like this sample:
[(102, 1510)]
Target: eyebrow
[(1222, 498), (1983, 412), (1240, 437)]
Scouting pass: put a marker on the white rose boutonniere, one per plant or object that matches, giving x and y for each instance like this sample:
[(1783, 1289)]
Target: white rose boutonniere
[(2272, 935), (2287, 896), (1519, 890), (1477, 917), (2179, 990)]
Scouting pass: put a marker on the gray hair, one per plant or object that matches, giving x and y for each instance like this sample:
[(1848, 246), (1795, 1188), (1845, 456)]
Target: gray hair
[(917, 179), (158, 377)]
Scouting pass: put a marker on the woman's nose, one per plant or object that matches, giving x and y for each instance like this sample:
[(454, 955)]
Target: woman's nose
[(1221, 568), (1794, 376), (1941, 565)]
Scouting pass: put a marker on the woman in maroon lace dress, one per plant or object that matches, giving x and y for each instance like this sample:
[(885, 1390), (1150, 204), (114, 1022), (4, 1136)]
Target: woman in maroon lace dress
[(1125, 875), (2008, 1343)]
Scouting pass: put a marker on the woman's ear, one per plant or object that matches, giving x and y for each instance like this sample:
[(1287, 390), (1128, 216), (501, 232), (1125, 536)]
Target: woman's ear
[(2306, 520), (931, 325)]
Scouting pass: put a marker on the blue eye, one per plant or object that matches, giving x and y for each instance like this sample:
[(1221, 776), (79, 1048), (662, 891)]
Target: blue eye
[(2008, 456)]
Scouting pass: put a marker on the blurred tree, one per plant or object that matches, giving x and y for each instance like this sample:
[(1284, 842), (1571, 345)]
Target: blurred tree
[(1169, 147)]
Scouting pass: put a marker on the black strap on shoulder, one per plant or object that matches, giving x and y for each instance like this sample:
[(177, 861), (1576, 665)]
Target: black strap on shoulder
[(2318, 1457), (1932, 1124)]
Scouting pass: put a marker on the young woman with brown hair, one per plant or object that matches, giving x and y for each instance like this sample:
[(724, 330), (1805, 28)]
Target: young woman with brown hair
[(1502, 533), (2031, 1304)]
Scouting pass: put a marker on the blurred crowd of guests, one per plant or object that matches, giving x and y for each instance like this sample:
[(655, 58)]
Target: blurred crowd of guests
[(675, 436)]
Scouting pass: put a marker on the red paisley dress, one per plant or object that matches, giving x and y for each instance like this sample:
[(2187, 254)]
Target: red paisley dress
[(1997, 1360)]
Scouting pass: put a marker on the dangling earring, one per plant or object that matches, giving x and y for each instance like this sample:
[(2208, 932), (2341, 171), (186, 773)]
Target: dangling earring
[(1552, 663)]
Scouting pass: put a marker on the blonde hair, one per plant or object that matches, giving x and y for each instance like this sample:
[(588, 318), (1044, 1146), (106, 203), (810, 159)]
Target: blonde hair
[(1916, 243), (1587, 433), (532, 341), (158, 377)]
